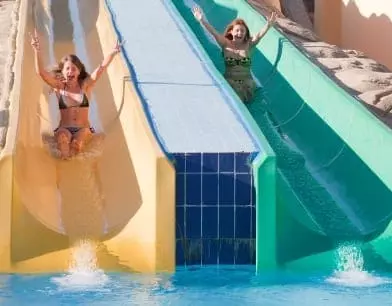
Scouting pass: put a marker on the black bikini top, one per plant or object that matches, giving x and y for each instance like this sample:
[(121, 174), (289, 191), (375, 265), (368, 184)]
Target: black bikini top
[(83, 103)]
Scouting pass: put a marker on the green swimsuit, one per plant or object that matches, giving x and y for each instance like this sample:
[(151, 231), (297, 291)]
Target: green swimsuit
[(238, 74)]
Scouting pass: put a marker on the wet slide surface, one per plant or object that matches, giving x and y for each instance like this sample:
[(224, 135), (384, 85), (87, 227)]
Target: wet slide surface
[(331, 182), (105, 193)]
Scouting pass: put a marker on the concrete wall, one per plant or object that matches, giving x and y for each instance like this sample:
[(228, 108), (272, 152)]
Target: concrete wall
[(357, 24), (325, 12)]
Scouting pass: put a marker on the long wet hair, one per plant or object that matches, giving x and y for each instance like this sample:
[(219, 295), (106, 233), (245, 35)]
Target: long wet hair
[(230, 27), (58, 70)]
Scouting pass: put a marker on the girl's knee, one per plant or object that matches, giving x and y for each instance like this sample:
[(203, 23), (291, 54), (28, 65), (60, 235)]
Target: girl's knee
[(63, 137)]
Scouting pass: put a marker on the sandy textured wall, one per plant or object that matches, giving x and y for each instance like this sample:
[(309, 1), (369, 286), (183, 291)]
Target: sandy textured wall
[(8, 31), (357, 24)]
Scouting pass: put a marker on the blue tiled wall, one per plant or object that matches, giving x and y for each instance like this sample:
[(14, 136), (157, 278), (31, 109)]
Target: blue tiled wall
[(215, 208)]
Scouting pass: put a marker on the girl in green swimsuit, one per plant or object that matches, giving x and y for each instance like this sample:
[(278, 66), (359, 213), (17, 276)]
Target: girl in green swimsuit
[(236, 44)]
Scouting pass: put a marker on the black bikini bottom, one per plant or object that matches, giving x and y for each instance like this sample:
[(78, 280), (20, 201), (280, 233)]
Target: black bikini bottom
[(74, 130)]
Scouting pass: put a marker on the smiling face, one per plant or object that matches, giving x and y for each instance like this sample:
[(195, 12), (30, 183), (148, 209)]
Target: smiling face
[(239, 33), (70, 72)]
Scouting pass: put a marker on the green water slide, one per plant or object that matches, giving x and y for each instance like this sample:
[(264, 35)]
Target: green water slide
[(334, 158)]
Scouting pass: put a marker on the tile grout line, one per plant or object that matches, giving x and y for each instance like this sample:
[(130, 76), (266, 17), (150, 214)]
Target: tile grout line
[(218, 205), (251, 202), (185, 207), (234, 202), (210, 173), (201, 208)]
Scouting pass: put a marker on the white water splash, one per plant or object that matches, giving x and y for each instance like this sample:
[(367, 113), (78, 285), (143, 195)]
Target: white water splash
[(350, 269), (84, 273)]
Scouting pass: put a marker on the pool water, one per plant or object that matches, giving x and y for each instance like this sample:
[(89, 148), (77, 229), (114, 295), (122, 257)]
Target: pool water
[(86, 284), (213, 285)]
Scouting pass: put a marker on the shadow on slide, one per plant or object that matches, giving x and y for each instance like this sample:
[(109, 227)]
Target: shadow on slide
[(108, 193), (333, 186)]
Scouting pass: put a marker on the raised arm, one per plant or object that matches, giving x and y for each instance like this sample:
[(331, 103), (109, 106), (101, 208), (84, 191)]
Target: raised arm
[(94, 77), (220, 39), (46, 76), (256, 39)]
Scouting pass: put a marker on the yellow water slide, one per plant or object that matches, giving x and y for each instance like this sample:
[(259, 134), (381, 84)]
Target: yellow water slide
[(120, 193)]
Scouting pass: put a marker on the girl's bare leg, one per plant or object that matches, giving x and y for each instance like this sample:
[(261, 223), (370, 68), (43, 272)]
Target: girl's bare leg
[(63, 139), (79, 140)]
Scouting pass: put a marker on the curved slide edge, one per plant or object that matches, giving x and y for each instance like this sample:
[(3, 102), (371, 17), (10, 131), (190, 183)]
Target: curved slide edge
[(277, 62), (336, 115), (373, 255), (47, 205)]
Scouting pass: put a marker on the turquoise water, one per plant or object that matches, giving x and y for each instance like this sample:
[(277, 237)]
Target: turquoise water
[(86, 284), (197, 286)]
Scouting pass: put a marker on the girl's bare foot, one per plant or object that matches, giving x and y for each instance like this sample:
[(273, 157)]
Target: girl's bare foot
[(63, 138), (76, 147), (65, 152)]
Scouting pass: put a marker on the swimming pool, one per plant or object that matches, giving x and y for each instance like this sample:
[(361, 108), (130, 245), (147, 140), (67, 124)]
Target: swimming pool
[(210, 285)]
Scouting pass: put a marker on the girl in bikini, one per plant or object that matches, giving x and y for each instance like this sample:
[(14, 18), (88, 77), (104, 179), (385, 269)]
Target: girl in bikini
[(236, 44), (72, 85)]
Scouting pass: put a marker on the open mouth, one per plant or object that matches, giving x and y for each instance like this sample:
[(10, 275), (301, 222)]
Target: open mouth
[(70, 77)]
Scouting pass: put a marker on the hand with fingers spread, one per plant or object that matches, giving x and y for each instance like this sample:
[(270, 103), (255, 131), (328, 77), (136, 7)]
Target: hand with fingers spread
[(197, 13), (96, 74), (199, 16), (117, 47), (61, 78), (35, 40), (272, 19)]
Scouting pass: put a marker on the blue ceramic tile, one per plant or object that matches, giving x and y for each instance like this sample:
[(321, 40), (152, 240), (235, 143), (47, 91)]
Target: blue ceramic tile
[(180, 254), (253, 227), (193, 189), (210, 251), (226, 162), (210, 162), (226, 222), (226, 252), (210, 222), (180, 189), (226, 189), (242, 163), (244, 252), (180, 222), (243, 224), (193, 162), (243, 190), (179, 162), (193, 222), (210, 186), (194, 252)]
